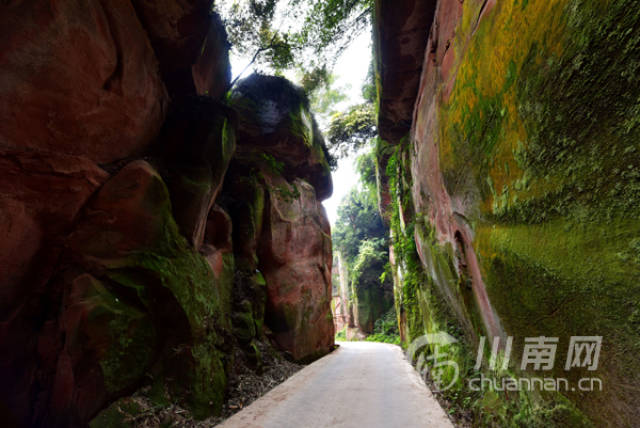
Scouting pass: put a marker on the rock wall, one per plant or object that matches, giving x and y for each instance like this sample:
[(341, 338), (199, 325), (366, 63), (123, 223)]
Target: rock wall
[(282, 152), (514, 196), (343, 311), (362, 297), (138, 245), (371, 298)]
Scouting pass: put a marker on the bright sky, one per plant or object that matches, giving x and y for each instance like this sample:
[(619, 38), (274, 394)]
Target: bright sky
[(350, 73)]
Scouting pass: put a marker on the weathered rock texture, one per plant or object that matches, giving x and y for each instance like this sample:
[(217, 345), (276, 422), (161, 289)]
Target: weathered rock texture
[(371, 298), (295, 258), (362, 297), (513, 199), (281, 148), (125, 258), (402, 31), (72, 72), (343, 310)]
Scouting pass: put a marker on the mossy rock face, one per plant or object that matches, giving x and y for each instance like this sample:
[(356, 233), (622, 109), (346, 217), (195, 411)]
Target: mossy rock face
[(244, 326), (129, 240), (244, 196), (282, 248), (119, 414), (274, 119), (372, 297), (295, 258), (526, 142), (198, 141)]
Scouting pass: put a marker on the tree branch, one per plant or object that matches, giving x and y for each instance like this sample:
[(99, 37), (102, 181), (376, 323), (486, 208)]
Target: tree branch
[(255, 57)]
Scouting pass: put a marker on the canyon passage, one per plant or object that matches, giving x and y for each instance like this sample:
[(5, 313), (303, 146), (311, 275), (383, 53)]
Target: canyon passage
[(319, 213)]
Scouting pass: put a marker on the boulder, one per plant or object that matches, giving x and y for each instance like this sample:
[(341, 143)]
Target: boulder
[(278, 177), (102, 346), (78, 78), (198, 141), (181, 32), (128, 215), (212, 71), (274, 121), (40, 197), (134, 298), (295, 259)]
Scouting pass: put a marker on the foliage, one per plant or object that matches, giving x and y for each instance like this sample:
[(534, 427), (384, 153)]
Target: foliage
[(372, 252), (287, 34), (358, 220), (249, 26), (369, 89), (361, 237), (323, 95), (352, 129), (386, 329), (366, 168), (333, 22), (315, 78)]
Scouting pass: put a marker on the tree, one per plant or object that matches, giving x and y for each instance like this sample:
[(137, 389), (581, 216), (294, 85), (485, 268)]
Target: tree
[(287, 34), (362, 240), (358, 220), (366, 167), (323, 95), (352, 129), (369, 90)]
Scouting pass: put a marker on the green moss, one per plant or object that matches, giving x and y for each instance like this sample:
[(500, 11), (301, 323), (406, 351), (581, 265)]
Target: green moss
[(118, 415), (244, 325), (190, 280), (302, 124), (274, 165), (131, 337), (540, 134), (130, 353), (208, 380), (172, 265), (431, 298), (585, 140), (592, 292), (224, 282)]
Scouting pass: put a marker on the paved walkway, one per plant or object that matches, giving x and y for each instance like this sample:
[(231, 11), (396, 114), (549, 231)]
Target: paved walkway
[(361, 384)]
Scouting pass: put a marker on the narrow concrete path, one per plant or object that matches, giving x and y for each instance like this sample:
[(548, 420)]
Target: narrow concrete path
[(361, 384)]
